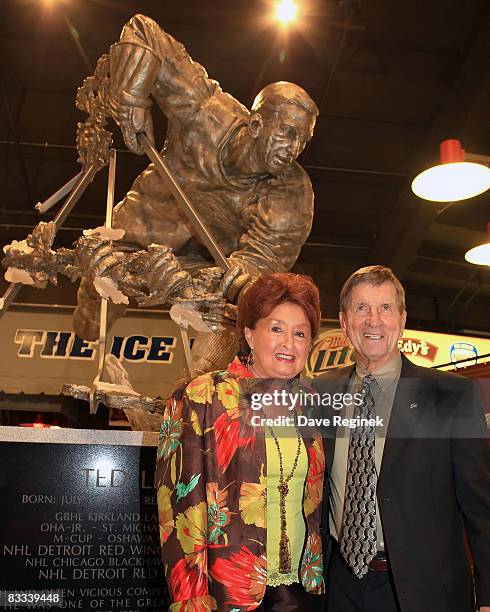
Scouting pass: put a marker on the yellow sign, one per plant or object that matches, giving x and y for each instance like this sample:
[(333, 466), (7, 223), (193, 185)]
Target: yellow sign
[(40, 352), (431, 349), (332, 349)]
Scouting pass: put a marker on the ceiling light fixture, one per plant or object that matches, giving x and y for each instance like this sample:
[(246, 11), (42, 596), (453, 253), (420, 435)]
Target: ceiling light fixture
[(286, 11), (480, 255), (459, 176)]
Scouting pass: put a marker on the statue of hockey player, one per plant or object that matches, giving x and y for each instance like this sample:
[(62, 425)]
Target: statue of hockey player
[(237, 167)]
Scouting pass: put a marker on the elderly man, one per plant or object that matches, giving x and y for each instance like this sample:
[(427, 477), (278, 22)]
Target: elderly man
[(399, 497), (237, 167)]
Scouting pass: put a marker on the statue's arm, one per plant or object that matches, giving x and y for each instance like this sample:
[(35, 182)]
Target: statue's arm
[(147, 63), (279, 225)]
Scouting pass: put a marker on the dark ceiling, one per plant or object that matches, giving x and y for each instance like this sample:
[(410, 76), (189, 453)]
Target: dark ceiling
[(392, 79)]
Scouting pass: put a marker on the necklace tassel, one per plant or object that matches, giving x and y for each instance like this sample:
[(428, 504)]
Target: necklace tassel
[(284, 554)]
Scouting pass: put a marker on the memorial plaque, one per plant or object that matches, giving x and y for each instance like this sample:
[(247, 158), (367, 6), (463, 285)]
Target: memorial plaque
[(81, 517)]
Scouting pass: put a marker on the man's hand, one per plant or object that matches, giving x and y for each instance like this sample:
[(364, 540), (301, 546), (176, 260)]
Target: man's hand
[(485, 609)]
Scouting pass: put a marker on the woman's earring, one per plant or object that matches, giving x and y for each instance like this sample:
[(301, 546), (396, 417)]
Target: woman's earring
[(249, 359)]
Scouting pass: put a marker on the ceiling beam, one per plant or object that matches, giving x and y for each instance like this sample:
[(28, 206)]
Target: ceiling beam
[(466, 111)]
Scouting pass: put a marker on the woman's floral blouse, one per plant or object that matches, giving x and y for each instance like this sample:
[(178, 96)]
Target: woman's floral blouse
[(211, 490)]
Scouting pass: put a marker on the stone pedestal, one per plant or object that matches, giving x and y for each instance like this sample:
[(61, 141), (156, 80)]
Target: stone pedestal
[(79, 516)]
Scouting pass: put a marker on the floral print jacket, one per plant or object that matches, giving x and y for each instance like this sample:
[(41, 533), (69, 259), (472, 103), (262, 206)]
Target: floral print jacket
[(211, 486)]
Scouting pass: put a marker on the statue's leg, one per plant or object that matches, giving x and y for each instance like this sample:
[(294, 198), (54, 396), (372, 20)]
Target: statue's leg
[(150, 215), (213, 351), (209, 352), (87, 313)]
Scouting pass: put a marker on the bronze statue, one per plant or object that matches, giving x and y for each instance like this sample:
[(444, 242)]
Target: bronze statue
[(237, 167), (234, 170)]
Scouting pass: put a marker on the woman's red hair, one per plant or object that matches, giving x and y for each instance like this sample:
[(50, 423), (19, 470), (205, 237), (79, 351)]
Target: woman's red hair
[(272, 289)]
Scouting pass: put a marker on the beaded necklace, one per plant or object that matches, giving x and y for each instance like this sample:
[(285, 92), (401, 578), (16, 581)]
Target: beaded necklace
[(283, 488)]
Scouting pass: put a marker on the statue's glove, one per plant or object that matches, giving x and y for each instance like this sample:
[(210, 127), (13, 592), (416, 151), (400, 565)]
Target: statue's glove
[(96, 256), (235, 281), (133, 72)]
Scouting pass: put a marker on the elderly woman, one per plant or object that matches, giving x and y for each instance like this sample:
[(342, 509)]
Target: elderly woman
[(239, 495)]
